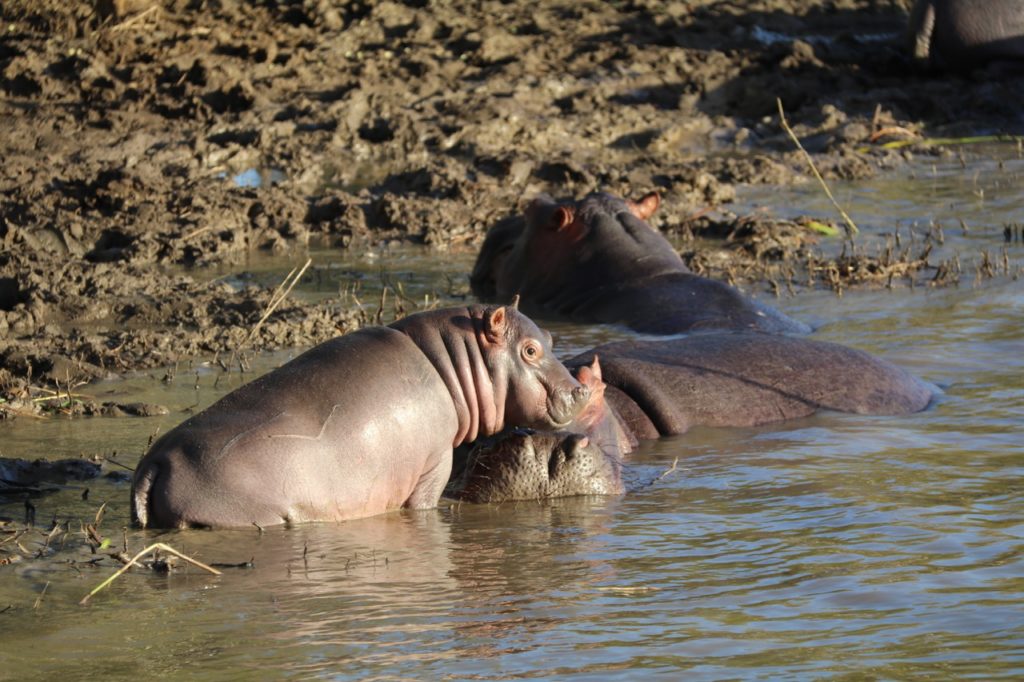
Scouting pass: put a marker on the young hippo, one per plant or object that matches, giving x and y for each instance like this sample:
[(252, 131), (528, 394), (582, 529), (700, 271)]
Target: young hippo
[(357, 426), (648, 389), (597, 260)]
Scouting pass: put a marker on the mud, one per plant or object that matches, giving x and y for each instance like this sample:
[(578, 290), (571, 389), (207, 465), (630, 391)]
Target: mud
[(144, 142)]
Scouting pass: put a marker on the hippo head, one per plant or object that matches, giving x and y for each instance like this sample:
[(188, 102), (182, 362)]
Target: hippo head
[(498, 367), (561, 252), (523, 464), (538, 390)]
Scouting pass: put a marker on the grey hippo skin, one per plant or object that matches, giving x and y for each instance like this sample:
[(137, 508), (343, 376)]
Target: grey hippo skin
[(963, 34), (647, 389), (357, 426), (597, 260)]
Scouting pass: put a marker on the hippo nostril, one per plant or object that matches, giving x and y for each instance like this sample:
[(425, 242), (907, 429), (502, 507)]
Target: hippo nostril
[(581, 394), (564, 406), (575, 445)]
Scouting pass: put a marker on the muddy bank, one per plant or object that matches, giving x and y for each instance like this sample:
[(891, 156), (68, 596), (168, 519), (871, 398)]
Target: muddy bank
[(145, 141)]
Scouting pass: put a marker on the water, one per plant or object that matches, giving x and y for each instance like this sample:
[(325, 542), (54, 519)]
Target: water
[(838, 546), (257, 177)]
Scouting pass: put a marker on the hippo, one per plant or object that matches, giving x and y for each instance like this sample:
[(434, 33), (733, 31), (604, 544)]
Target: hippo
[(525, 464), (648, 389), (597, 260), (964, 34), (665, 387), (360, 425)]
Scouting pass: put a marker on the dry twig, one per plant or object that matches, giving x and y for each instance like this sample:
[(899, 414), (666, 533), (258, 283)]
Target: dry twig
[(135, 559), (851, 227)]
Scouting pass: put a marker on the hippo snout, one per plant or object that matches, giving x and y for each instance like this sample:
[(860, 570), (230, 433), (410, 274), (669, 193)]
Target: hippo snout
[(564, 405)]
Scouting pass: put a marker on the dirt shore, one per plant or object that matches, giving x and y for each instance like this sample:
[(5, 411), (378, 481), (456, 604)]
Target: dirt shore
[(145, 141)]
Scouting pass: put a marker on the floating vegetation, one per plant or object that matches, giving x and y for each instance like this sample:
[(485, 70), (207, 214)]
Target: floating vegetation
[(786, 255)]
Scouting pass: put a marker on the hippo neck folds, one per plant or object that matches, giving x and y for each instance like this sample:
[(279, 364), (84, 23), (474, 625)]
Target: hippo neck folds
[(483, 359), (597, 260)]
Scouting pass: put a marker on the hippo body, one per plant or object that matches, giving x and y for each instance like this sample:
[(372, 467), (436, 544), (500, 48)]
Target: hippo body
[(964, 34), (648, 389), (597, 260), (357, 426), (664, 388)]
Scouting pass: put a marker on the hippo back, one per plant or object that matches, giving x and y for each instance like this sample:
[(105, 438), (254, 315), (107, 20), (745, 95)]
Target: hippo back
[(748, 378)]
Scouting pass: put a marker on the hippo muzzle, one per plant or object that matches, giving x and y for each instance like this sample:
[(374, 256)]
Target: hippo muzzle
[(564, 404), (524, 464)]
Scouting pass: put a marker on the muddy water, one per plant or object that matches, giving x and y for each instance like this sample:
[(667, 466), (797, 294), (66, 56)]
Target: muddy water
[(836, 546)]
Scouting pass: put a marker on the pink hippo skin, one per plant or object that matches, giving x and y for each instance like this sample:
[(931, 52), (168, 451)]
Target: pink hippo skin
[(357, 426)]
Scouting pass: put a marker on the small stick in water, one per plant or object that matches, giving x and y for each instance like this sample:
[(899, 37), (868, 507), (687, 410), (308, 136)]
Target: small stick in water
[(669, 470)]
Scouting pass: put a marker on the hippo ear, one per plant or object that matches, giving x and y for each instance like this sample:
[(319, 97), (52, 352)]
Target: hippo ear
[(645, 207), (590, 376), (495, 324), (561, 218)]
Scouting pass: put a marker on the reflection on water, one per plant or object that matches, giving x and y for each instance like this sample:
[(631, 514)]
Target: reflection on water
[(258, 177), (835, 546)]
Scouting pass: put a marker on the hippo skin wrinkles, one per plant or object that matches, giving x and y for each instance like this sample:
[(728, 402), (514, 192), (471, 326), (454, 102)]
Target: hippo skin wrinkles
[(357, 426)]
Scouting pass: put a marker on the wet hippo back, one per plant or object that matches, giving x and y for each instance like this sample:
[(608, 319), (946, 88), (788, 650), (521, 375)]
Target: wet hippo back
[(670, 302), (744, 379), (265, 453)]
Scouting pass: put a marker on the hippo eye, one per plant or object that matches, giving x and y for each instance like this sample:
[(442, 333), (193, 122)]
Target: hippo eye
[(532, 352)]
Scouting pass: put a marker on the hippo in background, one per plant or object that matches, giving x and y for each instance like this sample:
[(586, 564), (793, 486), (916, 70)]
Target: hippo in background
[(357, 426), (598, 261), (965, 34), (648, 389)]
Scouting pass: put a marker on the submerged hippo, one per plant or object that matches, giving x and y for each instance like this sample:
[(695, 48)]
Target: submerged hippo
[(647, 389), (963, 34), (597, 260), (359, 425), (523, 464)]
